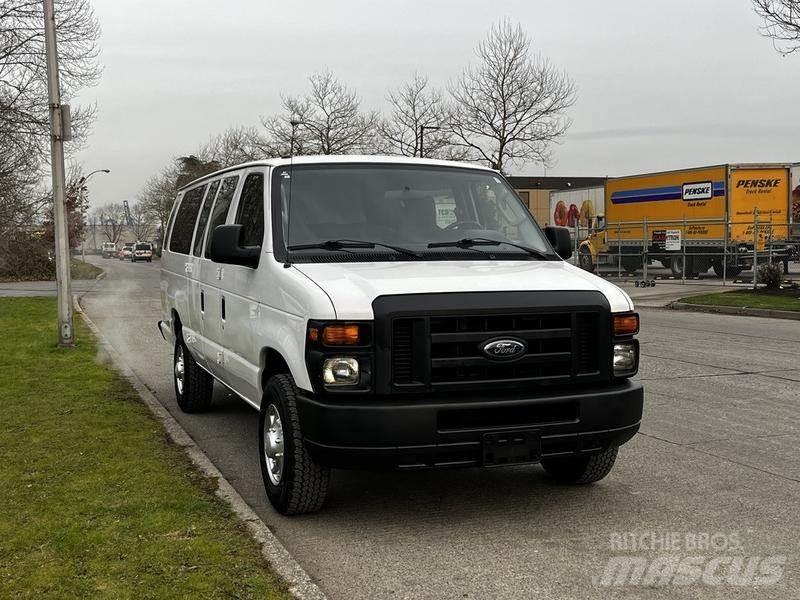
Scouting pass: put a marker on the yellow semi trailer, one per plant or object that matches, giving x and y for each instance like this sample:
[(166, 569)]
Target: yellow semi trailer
[(691, 220)]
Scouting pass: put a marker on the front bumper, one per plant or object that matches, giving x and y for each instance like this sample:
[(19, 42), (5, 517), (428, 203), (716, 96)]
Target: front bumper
[(448, 431)]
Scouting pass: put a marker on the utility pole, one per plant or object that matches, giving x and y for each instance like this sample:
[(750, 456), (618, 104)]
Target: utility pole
[(59, 131)]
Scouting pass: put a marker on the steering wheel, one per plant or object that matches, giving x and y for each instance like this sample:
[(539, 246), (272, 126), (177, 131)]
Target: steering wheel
[(458, 225)]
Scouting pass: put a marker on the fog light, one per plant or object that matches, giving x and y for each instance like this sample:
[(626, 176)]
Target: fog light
[(340, 371), (624, 359)]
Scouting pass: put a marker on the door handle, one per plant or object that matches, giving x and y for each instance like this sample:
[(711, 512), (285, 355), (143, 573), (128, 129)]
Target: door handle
[(202, 301), (222, 307)]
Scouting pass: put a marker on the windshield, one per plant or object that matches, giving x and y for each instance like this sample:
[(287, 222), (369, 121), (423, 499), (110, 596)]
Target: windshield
[(143, 246), (404, 206)]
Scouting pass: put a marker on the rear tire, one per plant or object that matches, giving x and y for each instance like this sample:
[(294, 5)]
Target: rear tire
[(194, 387), (295, 484), (581, 469)]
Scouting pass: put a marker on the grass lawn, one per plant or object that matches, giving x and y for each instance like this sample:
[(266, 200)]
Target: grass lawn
[(94, 501), (83, 270), (748, 299)]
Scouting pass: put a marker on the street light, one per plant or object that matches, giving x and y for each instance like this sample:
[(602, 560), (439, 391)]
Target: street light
[(85, 178), (81, 189), (422, 129)]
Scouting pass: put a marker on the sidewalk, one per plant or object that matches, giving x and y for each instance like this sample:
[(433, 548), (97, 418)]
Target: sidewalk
[(42, 288), (663, 294)]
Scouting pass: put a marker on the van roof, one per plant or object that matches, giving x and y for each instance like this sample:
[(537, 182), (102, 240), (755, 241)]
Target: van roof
[(339, 159)]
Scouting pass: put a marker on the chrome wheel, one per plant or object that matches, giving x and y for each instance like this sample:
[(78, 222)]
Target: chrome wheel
[(273, 444), (179, 369)]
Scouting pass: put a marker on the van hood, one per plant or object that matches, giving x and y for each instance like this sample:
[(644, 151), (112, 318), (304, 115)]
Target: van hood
[(353, 286)]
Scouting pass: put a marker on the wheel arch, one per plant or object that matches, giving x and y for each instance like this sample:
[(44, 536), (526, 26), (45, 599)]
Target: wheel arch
[(272, 362)]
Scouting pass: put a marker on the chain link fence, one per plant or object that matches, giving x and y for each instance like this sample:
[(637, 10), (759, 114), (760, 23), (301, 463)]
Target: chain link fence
[(721, 251)]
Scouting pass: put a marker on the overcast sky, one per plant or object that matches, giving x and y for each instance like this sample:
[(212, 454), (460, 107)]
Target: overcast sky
[(661, 84)]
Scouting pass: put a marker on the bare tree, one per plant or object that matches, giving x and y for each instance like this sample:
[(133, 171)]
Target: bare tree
[(24, 113), (236, 145), (112, 220), (417, 122), (143, 224), (781, 23), (330, 117), (510, 105), (157, 197)]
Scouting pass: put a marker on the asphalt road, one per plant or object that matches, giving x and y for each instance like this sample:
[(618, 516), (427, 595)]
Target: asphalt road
[(718, 453)]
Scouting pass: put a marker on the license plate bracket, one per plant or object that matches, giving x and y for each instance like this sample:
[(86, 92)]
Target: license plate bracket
[(511, 447)]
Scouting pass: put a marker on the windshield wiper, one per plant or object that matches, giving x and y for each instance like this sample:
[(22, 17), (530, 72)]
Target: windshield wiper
[(334, 245), (468, 243)]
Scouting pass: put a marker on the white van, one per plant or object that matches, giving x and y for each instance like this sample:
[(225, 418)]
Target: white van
[(381, 311)]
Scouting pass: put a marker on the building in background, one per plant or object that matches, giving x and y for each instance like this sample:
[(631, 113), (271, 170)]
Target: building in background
[(535, 192)]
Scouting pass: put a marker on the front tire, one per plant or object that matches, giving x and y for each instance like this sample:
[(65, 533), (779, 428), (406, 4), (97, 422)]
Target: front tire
[(295, 484), (193, 386), (581, 469), (585, 260)]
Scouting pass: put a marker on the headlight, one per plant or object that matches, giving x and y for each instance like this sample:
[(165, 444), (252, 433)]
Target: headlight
[(625, 359), (340, 371)]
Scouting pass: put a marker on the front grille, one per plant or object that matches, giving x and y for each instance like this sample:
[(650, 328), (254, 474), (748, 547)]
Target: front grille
[(457, 342), (560, 346), (402, 365), (435, 342)]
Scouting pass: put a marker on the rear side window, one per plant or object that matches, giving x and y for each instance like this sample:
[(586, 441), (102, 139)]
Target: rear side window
[(223, 203), (181, 239), (201, 222), (251, 210)]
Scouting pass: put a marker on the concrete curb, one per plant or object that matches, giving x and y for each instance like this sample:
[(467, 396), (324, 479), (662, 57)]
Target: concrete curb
[(295, 578), (735, 310)]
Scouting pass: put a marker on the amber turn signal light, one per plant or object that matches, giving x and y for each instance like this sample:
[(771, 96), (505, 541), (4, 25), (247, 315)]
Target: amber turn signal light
[(341, 335), (627, 324)]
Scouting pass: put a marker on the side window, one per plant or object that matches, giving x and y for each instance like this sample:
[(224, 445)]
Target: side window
[(201, 222), (251, 210), (223, 203), (182, 230), (171, 220)]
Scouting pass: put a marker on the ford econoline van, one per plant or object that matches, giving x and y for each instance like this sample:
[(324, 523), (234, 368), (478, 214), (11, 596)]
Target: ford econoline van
[(391, 312)]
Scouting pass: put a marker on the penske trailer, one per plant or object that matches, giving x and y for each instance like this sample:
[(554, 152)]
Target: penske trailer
[(724, 217)]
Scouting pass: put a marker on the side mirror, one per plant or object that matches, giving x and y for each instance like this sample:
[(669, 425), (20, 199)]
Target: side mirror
[(560, 240), (226, 247)]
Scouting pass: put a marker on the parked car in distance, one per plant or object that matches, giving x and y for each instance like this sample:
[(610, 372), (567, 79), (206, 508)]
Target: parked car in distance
[(126, 251), (109, 249), (142, 251), (394, 312)]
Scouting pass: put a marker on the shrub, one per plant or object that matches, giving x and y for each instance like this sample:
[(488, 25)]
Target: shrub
[(771, 275), (25, 257)]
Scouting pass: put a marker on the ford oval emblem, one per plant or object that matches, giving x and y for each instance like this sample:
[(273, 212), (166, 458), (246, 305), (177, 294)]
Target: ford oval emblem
[(504, 349)]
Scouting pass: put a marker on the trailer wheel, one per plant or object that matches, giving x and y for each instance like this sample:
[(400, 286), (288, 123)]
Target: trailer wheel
[(585, 260), (731, 271), (677, 268), (631, 263)]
